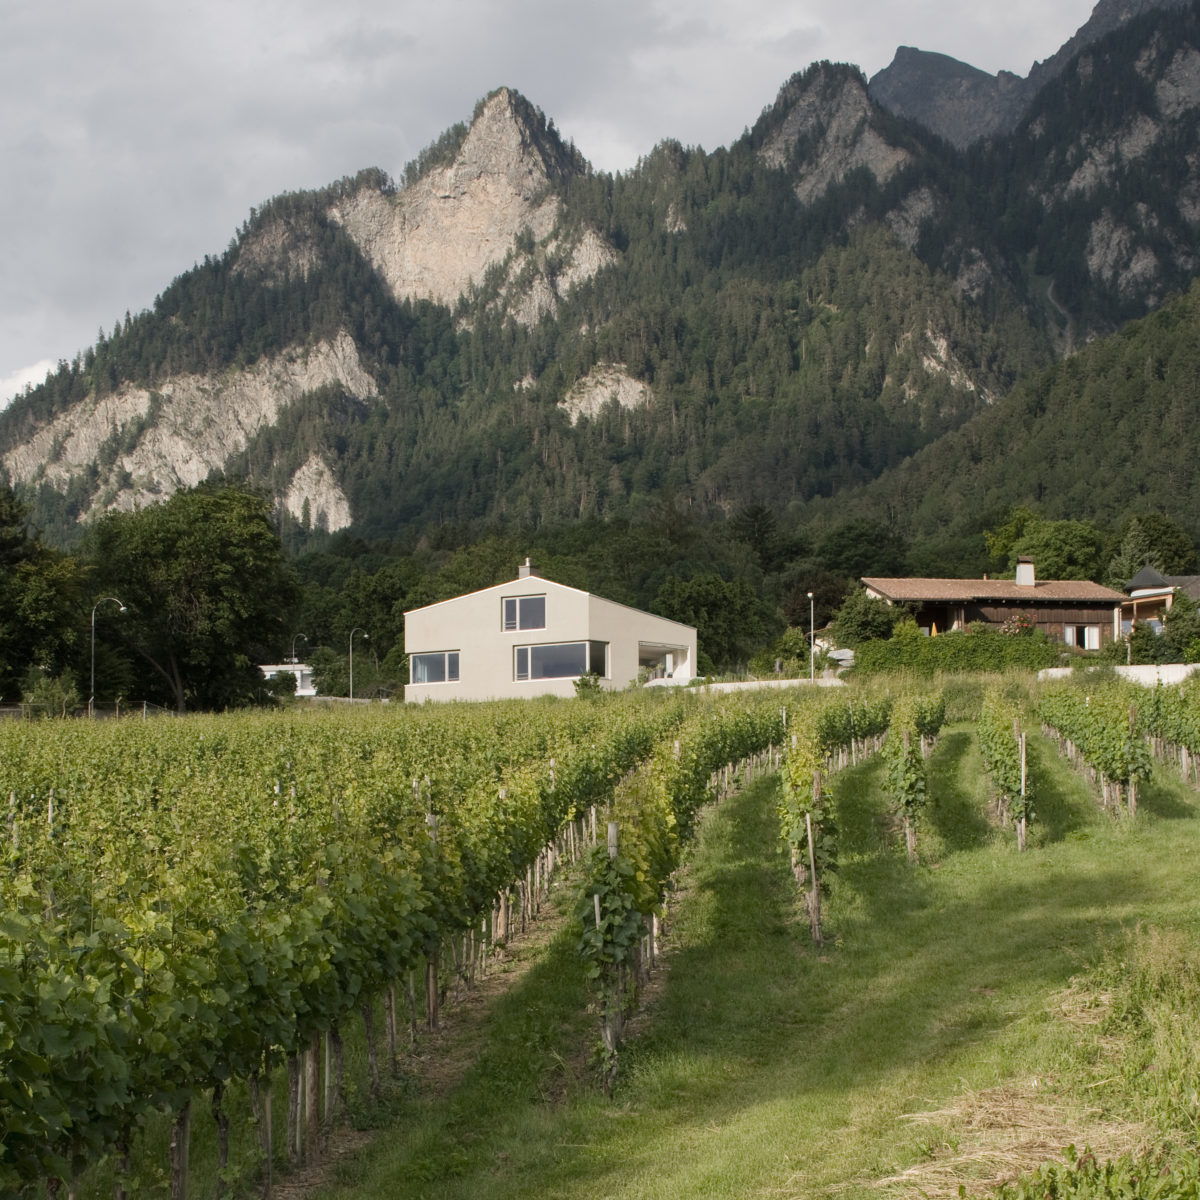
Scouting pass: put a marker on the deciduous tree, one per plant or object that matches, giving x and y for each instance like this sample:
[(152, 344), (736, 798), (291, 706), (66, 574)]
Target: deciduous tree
[(207, 591), (39, 599)]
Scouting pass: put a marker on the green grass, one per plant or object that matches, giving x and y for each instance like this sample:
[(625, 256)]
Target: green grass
[(767, 1067)]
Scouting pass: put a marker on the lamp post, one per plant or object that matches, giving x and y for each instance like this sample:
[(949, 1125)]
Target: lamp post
[(92, 692), (365, 634), (812, 641), (294, 640)]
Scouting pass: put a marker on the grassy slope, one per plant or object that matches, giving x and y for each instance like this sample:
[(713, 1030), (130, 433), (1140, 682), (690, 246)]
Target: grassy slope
[(766, 1067)]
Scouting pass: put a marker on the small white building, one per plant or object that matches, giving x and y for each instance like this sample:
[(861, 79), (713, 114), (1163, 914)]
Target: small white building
[(302, 671), (535, 637)]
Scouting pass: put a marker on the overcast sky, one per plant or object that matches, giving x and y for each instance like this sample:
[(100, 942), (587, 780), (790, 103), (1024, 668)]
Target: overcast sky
[(136, 135)]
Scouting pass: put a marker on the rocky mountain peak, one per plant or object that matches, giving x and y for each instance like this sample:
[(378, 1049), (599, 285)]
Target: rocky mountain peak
[(437, 237), (953, 99), (820, 129), (963, 104)]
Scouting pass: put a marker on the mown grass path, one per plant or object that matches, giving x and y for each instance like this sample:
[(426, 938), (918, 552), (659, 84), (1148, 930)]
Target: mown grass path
[(766, 1067)]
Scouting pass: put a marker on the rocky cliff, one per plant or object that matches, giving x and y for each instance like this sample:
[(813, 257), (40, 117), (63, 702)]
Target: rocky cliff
[(437, 238), (141, 445), (822, 130)]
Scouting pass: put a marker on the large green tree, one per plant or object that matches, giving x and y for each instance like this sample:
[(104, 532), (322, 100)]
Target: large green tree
[(729, 616), (207, 591), (39, 599), (1061, 549)]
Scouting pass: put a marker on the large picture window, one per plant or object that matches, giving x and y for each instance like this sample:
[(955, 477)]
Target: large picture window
[(524, 612), (441, 667), (560, 660)]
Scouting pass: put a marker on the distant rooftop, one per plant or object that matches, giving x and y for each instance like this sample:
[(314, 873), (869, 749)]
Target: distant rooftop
[(964, 591)]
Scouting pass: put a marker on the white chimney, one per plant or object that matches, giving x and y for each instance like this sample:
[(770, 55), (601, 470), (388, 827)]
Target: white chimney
[(1025, 576), (527, 569)]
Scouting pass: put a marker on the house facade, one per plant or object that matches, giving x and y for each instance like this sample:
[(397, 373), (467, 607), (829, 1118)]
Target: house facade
[(535, 637), (1074, 612), (302, 671), (1151, 595)]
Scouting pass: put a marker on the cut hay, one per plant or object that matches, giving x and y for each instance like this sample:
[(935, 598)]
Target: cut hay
[(989, 1138)]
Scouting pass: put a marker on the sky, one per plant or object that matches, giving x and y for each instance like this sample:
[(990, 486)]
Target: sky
[(137, 135)]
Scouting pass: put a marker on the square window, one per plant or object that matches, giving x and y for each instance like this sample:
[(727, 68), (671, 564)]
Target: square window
[(524, 612)]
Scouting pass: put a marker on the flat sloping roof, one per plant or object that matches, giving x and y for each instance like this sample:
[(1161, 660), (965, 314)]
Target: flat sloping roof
[(965, 591)]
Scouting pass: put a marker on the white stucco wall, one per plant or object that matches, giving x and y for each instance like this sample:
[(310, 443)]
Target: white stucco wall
[(1147, 676), (473, 625)]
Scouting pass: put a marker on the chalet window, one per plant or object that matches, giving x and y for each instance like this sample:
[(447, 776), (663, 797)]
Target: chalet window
[(560, 660), (524, 612), (1086, 637), (441, 667)]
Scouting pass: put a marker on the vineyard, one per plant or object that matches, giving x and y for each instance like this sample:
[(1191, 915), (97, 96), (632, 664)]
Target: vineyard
[(193, 908)]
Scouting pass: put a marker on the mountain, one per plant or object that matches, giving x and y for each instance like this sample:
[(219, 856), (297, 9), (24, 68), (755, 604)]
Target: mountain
[(963, 104), (507, 337), (1102, 434)]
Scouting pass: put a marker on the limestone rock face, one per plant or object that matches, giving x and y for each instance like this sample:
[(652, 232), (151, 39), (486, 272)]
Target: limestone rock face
[(1178, 91), (1105, 160), (146, 444), (537, 281), (825, 133), (1117, 255), (604, 384), (283, 248), (907, 220), (315, 498), (436, 239)]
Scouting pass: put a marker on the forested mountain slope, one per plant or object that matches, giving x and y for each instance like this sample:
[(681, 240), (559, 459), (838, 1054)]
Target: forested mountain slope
[(509, 337), (1109, 430)]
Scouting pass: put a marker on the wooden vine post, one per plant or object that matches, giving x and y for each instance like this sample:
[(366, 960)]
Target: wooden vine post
[(312, 1100), (431, 966), (1021, 824), (814, 900), (910, 832), (611, 1017), (1133, 798), (181, 1129)]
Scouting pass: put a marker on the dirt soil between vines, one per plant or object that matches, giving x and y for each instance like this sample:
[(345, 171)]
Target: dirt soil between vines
[(439, 1059)]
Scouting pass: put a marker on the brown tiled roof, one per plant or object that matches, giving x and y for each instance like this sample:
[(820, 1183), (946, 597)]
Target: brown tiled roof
[(962, 591)]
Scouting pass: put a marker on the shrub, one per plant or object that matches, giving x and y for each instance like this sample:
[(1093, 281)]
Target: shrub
[(908, 649)]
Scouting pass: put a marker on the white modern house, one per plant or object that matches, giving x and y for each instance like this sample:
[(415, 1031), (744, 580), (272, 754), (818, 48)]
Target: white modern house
[(535, 637), (302, 671)]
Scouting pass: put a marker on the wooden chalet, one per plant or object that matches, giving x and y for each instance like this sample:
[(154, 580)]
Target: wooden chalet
[(1077, 613)]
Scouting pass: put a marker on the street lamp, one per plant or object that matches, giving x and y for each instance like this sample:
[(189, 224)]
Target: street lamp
[(365, 634), (294, 659), (812, 642), (92, 694)]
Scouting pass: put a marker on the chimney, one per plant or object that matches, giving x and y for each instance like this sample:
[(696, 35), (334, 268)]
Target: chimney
[(1025, 577), (527, 570)]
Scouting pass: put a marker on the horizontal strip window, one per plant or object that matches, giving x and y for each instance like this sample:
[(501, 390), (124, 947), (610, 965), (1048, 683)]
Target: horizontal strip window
[(560, 660), (524, 612), (441, 667)]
